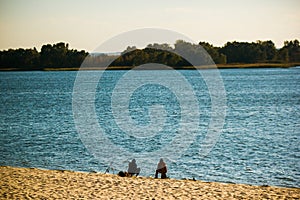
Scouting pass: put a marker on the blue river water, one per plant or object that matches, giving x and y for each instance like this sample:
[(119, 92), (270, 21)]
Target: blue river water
[(259, 143)]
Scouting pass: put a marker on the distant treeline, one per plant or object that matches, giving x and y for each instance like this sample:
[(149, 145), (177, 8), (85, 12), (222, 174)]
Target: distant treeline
[(231, 52), (60, 56), (51, 56)]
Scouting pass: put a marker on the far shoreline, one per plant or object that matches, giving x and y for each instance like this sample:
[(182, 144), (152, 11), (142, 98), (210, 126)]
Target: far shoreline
[(219, 66)]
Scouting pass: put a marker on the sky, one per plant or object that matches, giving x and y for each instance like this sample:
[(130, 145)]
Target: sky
[(87, 24)]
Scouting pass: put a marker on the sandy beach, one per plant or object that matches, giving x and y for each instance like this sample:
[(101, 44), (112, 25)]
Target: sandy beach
[(31, 183)]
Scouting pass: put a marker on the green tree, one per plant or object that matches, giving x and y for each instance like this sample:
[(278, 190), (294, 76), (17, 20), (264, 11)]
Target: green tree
[(217, 57), (22, 59), (59, 56), (269, 50), (293, 49), (245, 52)]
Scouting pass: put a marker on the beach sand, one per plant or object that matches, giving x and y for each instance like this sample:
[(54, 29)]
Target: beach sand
[(31, 183)]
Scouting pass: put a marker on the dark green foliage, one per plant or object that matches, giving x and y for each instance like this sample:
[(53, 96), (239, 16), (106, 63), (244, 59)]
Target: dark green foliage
[(149, 55), (232, 52), (214, 52), (60, 56), (244, 52), (261, 52), (291, 51), (166, 55), (51, 56), (20, 58)]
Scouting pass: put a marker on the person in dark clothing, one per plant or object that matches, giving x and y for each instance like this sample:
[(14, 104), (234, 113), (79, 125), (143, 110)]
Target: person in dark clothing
[(161, 168)]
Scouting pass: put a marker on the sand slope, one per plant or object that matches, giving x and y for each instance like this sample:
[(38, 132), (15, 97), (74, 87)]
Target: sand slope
[(24, 183)]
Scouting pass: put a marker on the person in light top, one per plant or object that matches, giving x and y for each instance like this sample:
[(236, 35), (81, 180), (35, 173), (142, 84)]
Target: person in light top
[(133, 169)]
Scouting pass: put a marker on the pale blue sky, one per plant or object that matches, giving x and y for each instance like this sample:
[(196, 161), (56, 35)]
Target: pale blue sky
[(86, 24)]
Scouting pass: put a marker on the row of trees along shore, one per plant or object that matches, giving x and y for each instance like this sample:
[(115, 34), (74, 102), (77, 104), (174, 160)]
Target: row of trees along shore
[(59, 56)]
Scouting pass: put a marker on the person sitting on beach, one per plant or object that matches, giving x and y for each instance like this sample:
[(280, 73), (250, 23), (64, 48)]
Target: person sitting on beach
[(161, 168), (133, 169)]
